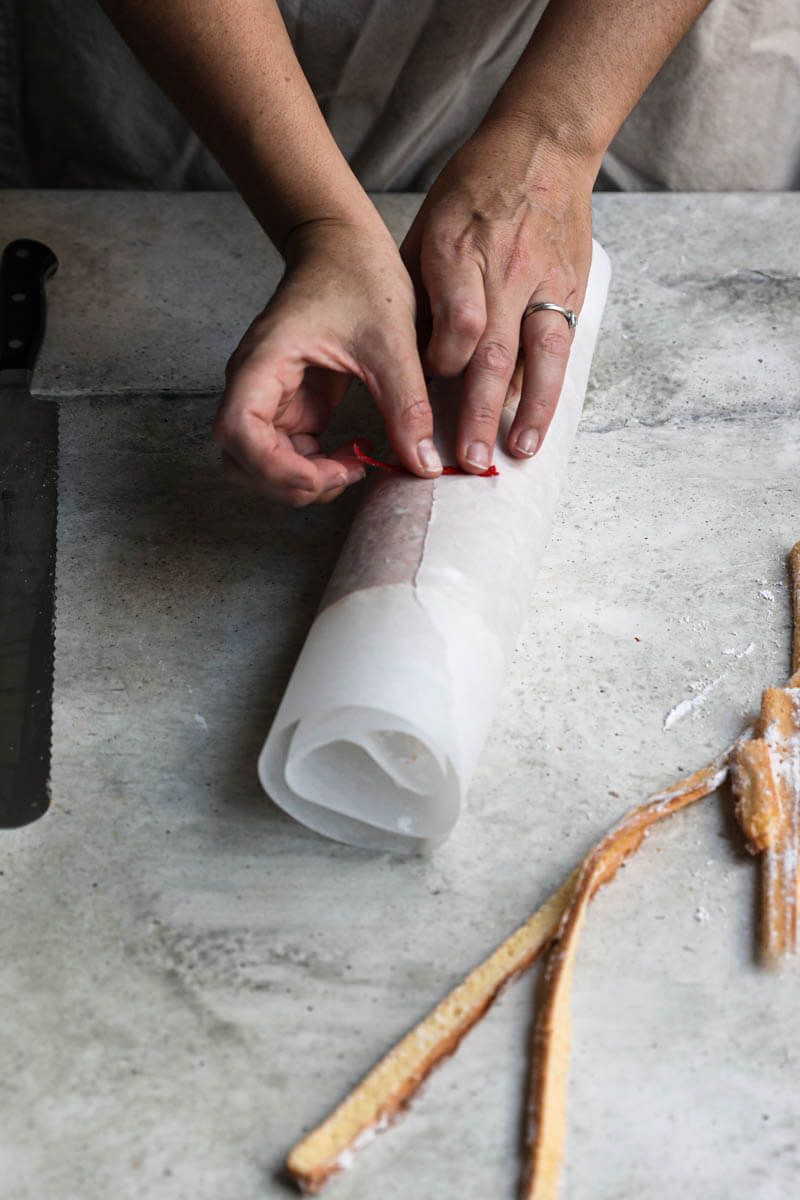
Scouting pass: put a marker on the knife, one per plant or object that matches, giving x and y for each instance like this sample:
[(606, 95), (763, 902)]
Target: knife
[(28, 497)]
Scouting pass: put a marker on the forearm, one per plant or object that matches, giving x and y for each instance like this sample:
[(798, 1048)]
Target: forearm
[(232, 71), (586, 66)]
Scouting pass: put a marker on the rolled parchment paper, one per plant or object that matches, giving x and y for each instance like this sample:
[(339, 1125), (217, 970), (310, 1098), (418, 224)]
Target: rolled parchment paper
[(385, 715)]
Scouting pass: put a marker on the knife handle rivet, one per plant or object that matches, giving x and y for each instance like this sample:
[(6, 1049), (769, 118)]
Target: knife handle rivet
[(15, 343), (18, 297), (22, 252)]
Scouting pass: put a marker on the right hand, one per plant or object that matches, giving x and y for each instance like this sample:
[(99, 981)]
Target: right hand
[(344, 307)]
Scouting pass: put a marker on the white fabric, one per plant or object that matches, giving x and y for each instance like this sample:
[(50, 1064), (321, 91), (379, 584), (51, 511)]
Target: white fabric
[(401, 84), (723, 114)]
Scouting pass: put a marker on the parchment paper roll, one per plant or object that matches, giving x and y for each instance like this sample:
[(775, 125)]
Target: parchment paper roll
[(385, 715)]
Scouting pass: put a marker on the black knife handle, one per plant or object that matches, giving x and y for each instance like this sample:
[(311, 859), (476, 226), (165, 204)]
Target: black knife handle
[(24, 268)]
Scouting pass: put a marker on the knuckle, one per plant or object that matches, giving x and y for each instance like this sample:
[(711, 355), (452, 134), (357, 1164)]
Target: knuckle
[(483, 414), (541, 405), (552, 342), (416, 411), (495, 358), (465, 320)]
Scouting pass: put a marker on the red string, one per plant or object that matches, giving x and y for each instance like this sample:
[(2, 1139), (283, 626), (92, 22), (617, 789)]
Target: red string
[(376, 462)]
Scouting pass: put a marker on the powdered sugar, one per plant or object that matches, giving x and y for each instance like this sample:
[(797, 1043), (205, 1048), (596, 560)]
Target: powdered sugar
[(344, 1160), (702, 689)]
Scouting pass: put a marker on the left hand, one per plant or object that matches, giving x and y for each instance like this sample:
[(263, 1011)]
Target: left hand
[(506, 224)]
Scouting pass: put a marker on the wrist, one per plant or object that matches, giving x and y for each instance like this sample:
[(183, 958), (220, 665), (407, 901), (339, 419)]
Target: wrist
[(359, 231), (307, 205), (548, 135)]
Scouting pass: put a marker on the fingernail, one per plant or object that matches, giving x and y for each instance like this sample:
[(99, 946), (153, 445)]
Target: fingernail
[(478, 455), (527, 441), (428, 455), (339, 481), (356, 475)]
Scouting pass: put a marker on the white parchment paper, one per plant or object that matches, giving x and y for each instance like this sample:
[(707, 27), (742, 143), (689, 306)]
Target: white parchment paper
[(385, 715)]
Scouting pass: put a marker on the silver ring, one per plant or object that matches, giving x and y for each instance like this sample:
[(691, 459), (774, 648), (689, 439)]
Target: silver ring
[(569, 316)]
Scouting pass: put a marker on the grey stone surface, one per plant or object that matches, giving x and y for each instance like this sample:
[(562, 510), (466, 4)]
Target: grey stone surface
[(190, 979), (704, 315), (155, 291)]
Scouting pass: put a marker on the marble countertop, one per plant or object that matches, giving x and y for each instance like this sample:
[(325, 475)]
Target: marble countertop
[(190, 979)]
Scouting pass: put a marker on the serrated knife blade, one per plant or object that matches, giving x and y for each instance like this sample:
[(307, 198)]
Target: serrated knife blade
[(28, 510)]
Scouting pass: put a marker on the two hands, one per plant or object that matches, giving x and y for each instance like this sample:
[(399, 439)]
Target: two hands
[(507, 223), (500, 229)]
